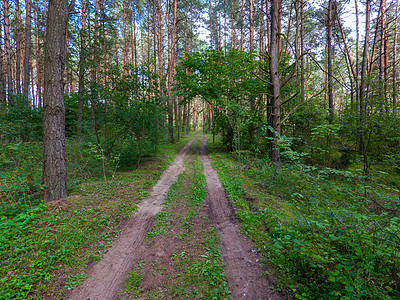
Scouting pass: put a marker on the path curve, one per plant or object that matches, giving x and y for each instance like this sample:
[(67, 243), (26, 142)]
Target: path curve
[(106, 278), (245, 279)]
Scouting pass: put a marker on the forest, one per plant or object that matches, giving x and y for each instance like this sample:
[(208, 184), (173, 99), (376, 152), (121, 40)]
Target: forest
[(298, 104)]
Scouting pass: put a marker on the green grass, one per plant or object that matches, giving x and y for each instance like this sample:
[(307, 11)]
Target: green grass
[(132, 283), (326, 234), (197, 270), (45, 246)]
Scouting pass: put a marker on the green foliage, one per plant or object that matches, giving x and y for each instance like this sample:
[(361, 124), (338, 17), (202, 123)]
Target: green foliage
[(38, 241), (132, 117), (381, 130), (20, 121), (324, 144), (132, 283), (329, 234), (20, 174), (74, 281), (228, 84)]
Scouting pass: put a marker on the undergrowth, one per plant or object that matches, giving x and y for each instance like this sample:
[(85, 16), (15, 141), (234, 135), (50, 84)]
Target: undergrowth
[(194, 269), (327, 234), (47, 245), (204, 271)]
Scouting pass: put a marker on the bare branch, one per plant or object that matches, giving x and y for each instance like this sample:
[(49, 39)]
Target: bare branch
[(302, 103)]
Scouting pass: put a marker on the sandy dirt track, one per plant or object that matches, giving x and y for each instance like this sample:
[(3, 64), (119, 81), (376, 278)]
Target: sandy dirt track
[(107, 277), (245, 279)]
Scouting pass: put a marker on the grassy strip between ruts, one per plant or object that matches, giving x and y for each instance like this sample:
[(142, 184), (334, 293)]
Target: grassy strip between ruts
[(190, 266), (327, 234), (45, 250)]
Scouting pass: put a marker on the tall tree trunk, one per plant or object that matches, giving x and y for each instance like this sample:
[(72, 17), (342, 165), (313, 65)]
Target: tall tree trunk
[(173, 56), (27, 56), (275, 79), (105, 53), (363, 83), (155, 36), (210, 18), (2, 79), (233, 35), (82, 67), (18, 47), (116, 40), (159, 40), (375, 42), (38, 55), (54, 155), (394, 75), (135, 63), (288, 30), (242, 29), (7, 45), (330, 70), (349, 59), (218, 33), (125, 37), (261, 46), (383, 52), (302, 73), (170, 71), (297, 42), (148, 40), (267, 26), (357, 79), (94, 69), (251, 25)]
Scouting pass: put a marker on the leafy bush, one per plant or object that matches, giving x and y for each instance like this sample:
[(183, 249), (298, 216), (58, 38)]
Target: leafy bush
[(330, 234), (20, 172), (20, 121)]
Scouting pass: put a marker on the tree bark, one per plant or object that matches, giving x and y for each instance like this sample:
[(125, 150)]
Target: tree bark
[(233, 38), (383, 52), (159, 39), (18, 47), (134, 46), (302, 73), (347, 49), (261, 30), (275, 79), (171, 64), (155, 36), (396, 21), (2, 79), (267, 26), (125, 37), (210, 18), (54, 155), (251, 25), (373, 50), (363, 83), (38, 56), (116, 39), (242, 29), (357, 79), (330, 70), (27, 55), (7, 45), (82, 67)]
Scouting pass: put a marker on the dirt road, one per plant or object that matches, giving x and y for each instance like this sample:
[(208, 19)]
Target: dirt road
[(244, 275), (107, 277), (245, 279)]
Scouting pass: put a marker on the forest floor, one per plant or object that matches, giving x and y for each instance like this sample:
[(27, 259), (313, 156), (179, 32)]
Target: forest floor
[(182, 242)]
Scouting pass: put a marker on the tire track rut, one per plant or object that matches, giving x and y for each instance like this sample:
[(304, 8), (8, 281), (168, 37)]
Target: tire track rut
[(245, 279), (106, 278)]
